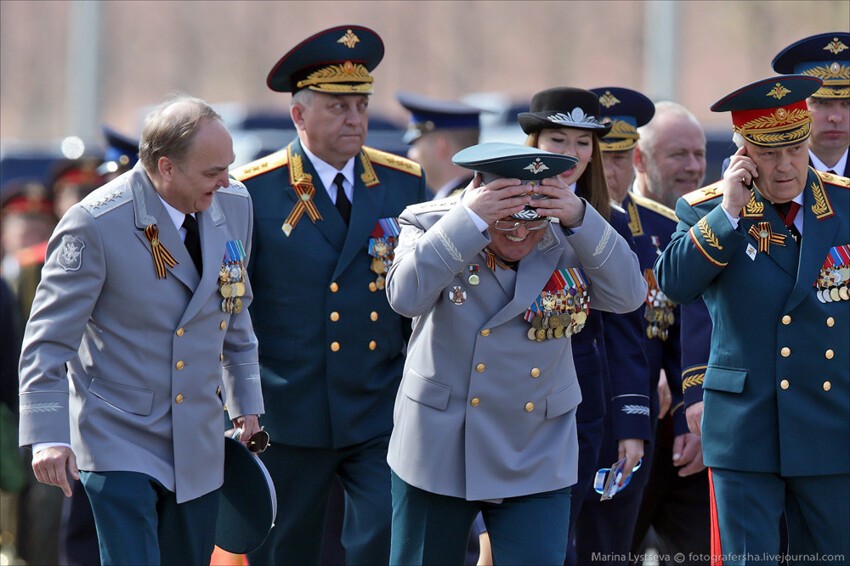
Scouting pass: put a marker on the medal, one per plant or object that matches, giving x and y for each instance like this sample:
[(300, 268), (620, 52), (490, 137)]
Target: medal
[(457, 295), (382, 243), (231, 277), (473, 275)]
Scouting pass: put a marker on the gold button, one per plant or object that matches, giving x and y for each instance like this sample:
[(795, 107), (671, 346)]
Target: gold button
[(373, 345), (179, 398), (830, 322), (373, 287), (480, 368), (529, 407), (485, 332), (786, 351), (784, 384), (373, 316), (334, 346), (535, 372), (475, 401), (334, 316), (181, 331), (221, 357), (223, 325), (829, 354), (180, 365), (334, 287), (786, 320), (827, 386)]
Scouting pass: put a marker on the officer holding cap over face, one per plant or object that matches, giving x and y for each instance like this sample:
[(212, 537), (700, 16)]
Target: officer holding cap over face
[(768, 248), (497, 280)]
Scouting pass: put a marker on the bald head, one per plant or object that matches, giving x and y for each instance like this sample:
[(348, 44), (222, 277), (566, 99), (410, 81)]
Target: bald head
[(170, 129), (670, 155)]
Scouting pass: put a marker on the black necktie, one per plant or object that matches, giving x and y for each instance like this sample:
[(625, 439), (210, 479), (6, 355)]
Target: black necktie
[(193, 241), (343, 205), (831, 172)]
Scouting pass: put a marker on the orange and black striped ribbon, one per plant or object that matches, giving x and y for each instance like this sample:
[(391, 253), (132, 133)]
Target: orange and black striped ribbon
[(493, 260), (161, 256), (305, 192), (764, 235)]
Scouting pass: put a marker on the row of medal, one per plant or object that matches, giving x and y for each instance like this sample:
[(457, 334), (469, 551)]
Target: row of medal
[(659, 309), (561, 309), (834, 276), (382, 247), (232, 277)]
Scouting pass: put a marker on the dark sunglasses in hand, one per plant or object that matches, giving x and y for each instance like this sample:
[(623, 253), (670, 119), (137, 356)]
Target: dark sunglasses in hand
[(258, 442)]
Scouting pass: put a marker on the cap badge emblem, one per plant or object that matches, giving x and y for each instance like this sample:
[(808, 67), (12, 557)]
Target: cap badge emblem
[(778, 91), (608, 100), (349, 39), (536, 166), (835, 46)]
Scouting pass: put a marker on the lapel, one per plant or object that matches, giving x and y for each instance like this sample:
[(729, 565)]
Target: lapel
[(760, 210), (213, 230), (147, 210), (331, 225), (818, 235), (365, 212), (532, 274)]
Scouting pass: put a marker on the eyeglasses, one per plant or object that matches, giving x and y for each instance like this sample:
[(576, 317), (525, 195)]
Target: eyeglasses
[(607, 482), (258, 442), (511, 225)]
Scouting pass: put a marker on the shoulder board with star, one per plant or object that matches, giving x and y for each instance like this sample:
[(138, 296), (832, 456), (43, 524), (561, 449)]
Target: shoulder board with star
[(106, 198), (235, 188), (704, 194), (393, 161), (654, 206), (261, 165), (435, 205), (834, 179)]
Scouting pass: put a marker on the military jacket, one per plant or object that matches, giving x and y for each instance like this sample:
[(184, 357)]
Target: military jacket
[(777, 385)]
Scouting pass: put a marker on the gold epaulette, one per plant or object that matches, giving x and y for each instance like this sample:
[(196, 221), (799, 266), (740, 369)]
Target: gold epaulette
[(654, 206), (261, 165), (834, 179), (707, 193), (393, 161)]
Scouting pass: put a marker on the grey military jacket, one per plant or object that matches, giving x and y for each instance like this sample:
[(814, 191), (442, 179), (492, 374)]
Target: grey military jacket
[(483, 412), (150, 361)]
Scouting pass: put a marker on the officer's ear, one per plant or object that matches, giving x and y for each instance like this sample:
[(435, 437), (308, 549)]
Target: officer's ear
[(296, 112), (165, 166), (639, 160)]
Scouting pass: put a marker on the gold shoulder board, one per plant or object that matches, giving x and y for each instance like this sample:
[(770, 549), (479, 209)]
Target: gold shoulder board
[(261, 165), (654, 206), (834, 179), (393, 161), (698, 196)]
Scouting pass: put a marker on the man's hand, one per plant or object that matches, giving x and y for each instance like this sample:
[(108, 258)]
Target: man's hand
[(665, 396), (497, 199), (250, 425), (693, 415), (632, 450), (687, 454), (562, 203), (52, 466), (737, 182)]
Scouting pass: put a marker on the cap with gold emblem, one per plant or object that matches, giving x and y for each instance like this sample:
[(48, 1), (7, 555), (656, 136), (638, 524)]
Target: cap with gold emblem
[(506, 160), (772, 112), (334, 61), (825, 56), (628, 110)]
